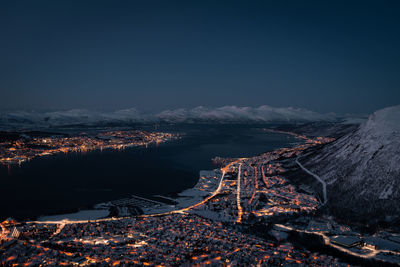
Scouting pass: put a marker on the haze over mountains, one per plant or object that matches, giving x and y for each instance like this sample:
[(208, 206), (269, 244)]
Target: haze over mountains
[(362, 169), (225, 114)]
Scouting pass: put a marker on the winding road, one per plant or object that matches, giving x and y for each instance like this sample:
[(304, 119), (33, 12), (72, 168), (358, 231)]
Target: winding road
[(316, 177)]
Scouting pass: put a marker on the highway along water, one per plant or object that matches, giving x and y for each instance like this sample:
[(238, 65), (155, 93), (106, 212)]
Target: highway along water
[(66, 182)]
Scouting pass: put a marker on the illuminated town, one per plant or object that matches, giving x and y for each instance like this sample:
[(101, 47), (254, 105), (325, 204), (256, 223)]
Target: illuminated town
[(200, 133), (245, 213), (27, 148)]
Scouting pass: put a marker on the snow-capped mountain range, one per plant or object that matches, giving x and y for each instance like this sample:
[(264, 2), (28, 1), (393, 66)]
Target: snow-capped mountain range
[(225, 114), (362, 169)]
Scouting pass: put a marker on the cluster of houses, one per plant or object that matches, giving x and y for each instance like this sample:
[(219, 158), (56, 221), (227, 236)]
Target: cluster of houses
[(178, 239)]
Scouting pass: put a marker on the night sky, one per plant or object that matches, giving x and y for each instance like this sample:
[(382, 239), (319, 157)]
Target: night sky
[(327, 56)]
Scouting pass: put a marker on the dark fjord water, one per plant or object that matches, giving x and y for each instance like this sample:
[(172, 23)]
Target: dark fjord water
[(62, 183)]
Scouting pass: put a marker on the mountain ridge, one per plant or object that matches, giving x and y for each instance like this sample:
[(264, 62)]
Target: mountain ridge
[(224, 114)]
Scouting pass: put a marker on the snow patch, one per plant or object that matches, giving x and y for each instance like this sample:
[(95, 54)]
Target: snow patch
[(78, 216), (386, 192)]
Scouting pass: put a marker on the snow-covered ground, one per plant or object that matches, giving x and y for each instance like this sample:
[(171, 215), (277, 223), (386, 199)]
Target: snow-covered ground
[(208, 182), (78, 216)]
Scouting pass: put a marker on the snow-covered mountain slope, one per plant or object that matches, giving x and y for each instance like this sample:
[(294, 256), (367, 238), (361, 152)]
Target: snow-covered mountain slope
[(243, 114), (225, 114), (70, 117), (362, 169)]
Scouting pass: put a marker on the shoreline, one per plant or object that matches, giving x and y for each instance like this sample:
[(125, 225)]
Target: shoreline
[(187, 195)]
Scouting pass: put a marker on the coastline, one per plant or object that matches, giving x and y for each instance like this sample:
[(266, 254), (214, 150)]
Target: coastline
[(183, 195), (207, 182)]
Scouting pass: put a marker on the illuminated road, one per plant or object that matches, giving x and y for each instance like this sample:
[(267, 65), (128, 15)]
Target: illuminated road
[(3, 231), (59, 228), (239, 207), (263, 176), (328, 242), (216, 192), (316, 177)]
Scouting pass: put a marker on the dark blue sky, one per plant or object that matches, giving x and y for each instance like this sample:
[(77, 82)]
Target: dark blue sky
[(340, 56)]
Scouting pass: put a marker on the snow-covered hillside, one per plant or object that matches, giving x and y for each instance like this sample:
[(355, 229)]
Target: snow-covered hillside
[(362, 169), (225, 114)]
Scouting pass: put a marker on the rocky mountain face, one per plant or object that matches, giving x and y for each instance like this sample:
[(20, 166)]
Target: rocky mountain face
[(362, 169)]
